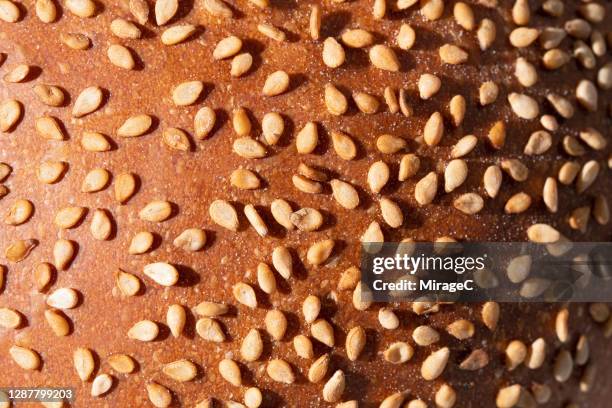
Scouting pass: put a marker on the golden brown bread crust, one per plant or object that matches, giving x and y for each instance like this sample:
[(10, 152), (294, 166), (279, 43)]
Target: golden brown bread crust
[(192, 180)]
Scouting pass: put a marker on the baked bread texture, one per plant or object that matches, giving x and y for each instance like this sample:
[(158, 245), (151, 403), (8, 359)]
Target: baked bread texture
[(185, 185)]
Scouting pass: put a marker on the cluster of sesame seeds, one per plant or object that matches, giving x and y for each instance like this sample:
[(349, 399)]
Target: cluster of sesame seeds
[(345, 191)]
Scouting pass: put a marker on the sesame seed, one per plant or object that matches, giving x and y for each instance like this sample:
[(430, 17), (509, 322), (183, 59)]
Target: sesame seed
[(159, 395), (333, 53), (276, 83), (384, 58), (280, 371), (84, 363), (334, 387), (252, 346), (230, 372), (434, 364)]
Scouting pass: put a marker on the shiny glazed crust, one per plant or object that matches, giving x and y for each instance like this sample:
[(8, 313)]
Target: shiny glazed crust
[(179, 173)]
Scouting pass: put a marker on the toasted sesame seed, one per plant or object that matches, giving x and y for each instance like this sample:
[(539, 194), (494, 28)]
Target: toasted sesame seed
[(128, 284), (391, 99), (601, 210), (490, 315), (307, 219), (476, 360), (303, 346), (141, 243), (333, 53), (9, 318), (162, 273), (561, 325), (488, 93), (49, 94), (101, 225), (445, 396), (125, 29), (19, 250), (452, 54), (431, 9), (334, 387), (75, 41), (464, 16), (144, 330), (69, 217), (224, 214), (518, 203), (390, 144), (314, 22), (543, 233), (95, 142), (357, 38), (252, 396), (428, 85), (318, 369), (81, 8), (101, 385), (218, 8), (122, 363), (281, 211), (272, 32), (434, 364), (245, 294), (19, 212), (282, 261), (177, 34), (272, 127), (406, 37), (191, 239), (322, 331), (25, 358), (366, 103), (563, 366), (536, 355), (10, 113), (586, 93), (227, 47), (276, 83), (252, 346), (523, 106), (384, 58), (88, 101), (426, 189), (84, 363), (96, 180), (63, 253), (455, 174), (186, 93), (121, 56), (398, 353), (516, 352), (50, 172), (434, 129), (49, 128), (276, 324), (134, 126), (486, 33), (156, 211), (515, 169), (164, 11), (508, 397), (280, 371), (587, 176), (210, 330), (230, 372), (255, 220), (523, 36), (249, 148), (159, 395), (176, 317), (46, 11), (593, 138), (180, 370), (335, 101)]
